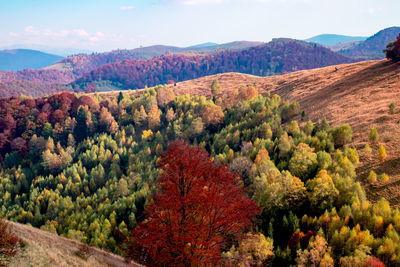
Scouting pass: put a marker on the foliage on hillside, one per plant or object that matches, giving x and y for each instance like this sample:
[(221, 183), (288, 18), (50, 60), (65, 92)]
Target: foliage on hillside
[(277, 57), (86, 167), (393, 51), (82, 63), (40, 76), (35, 83)]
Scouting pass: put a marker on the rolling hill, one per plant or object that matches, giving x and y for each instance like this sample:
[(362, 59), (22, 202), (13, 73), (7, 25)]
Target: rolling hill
[(19, 59), (277, 57), (372, 47), (334, 39)]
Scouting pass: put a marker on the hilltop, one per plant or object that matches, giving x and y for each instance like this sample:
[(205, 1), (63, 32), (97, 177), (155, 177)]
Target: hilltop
[(47, 249), (19, 59)]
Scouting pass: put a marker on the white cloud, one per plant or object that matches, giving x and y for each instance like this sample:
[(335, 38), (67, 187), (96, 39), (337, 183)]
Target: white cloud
[(199, 2), (72, 35), (81, 33), (126, 7), (29, 29), (371, 10)]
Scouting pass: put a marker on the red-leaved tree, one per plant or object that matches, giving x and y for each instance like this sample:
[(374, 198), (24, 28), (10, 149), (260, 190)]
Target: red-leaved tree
[(393, 50), (200, 209)]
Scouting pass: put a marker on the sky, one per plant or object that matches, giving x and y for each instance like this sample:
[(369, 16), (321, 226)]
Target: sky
[(103, 25)]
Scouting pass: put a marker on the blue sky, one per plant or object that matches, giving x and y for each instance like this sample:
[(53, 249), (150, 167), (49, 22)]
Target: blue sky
[(102, 25)]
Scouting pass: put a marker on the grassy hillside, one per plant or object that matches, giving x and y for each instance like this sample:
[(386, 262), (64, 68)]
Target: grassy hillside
[(46, 249), (19, 59)]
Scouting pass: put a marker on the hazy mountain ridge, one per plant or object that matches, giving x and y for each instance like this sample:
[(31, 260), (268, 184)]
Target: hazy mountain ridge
[(372, 48), (19, 59), (334, 39)]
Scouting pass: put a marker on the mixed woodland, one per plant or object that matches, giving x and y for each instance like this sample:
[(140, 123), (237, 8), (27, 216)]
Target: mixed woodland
[(227, 181)]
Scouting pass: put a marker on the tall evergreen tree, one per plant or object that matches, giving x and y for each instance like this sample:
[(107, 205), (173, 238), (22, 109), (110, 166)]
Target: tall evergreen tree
[(80, 130)]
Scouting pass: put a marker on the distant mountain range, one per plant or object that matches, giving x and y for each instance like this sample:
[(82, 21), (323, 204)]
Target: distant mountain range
[(359, 48), (136, 68), (61, 51), (277, 57), (372, 47), (334, 39), (19, 59)]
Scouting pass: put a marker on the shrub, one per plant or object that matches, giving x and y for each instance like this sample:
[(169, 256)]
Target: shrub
[(9, 244), (367, 149), (373, 135), (215, 87), (382, 153), (384, 178), (84, 251), (342, 135), (392, 108), (371, 177)]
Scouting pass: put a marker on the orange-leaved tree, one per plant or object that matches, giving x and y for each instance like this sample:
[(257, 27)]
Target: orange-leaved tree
[(199, 210)]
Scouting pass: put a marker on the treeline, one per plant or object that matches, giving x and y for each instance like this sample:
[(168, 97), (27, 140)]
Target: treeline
[(277, 57), (82, 63), (393, 50), (85, 167)]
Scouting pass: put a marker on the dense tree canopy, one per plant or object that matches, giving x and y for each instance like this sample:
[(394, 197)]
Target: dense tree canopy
[(87, 167)]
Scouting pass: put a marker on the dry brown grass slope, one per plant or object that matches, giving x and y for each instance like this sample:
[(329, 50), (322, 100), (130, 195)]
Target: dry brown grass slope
[(46, 249), (358, 94)]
